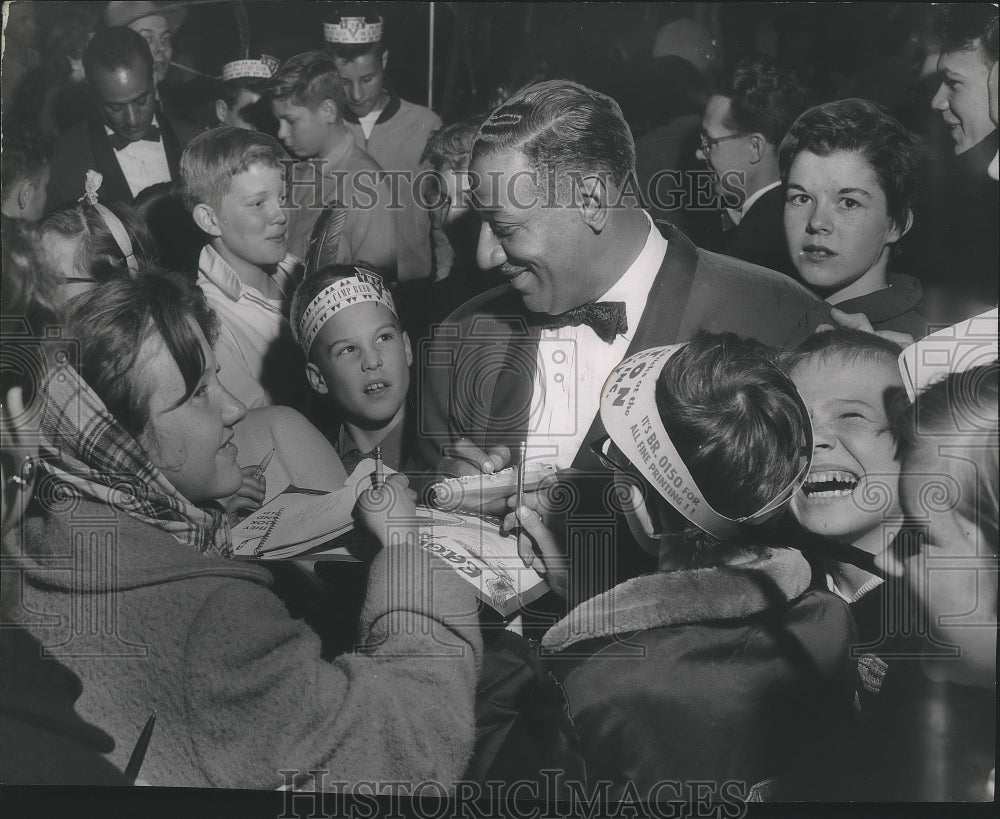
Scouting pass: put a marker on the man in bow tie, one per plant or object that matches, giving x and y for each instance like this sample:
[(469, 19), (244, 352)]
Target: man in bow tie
[(592, 279), (128, 140)]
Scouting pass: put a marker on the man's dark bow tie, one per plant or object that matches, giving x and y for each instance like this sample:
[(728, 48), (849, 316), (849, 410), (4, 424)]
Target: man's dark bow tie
[(151, 134), (606, 318)]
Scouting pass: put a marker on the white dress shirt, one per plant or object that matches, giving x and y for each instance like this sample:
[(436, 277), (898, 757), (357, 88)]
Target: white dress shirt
[(573, 363), (144, 163)]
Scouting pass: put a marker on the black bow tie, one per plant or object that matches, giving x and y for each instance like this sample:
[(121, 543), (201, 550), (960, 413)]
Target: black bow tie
[(151, 134), (606, 318)]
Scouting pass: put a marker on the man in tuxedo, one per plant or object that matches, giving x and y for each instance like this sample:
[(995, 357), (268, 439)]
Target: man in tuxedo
[(592, 279), (128, 140), (740, 134)]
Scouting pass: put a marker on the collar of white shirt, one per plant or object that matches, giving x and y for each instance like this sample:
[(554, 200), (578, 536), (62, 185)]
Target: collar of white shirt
[(220, 273), (737, 215), (634, 285), (154, 123)]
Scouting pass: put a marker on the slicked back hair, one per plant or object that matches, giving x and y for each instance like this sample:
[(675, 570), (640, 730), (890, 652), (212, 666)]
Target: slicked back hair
[(561, 127), (114, 48)]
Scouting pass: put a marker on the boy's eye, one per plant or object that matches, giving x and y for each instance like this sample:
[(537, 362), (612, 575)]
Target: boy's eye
[(387, 336), (350, 348), (849, 203)]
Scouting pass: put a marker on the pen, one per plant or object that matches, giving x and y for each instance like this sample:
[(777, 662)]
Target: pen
[(139, 754), (258, 473), (378, 478), (521, 457)]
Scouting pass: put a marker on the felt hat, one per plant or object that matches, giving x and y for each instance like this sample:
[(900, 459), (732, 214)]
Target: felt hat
[(126, 12)]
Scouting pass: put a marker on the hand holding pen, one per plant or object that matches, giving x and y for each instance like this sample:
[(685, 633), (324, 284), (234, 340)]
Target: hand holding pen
[(250, 495)]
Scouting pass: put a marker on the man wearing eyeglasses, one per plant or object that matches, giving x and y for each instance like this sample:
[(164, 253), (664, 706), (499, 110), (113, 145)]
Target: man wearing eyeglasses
[(740, 134)]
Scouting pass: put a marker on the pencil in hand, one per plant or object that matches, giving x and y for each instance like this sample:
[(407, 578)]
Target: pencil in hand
[(258, 473), (139, 754)]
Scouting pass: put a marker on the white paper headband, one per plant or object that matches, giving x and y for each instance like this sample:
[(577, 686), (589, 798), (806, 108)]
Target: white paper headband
[(364, 286), (631, 417), (263, 68), (352, 31)]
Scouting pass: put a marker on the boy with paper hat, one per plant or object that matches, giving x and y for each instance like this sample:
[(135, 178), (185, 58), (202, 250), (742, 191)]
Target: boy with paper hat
[(358, 357), (674, 675), (237, 100), (392, 130)]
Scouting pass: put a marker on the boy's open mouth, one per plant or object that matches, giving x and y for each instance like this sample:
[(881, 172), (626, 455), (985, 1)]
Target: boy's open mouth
[(830, 484), (375, 386)]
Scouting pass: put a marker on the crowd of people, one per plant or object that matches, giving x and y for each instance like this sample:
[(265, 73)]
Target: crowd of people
[(770, 550)]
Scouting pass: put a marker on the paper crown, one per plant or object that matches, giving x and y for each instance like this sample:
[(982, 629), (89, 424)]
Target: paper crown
[(352, 31), (263, 68), (631, 417)]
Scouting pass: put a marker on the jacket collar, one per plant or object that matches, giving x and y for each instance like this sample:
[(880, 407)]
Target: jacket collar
[(684, 597), (391, 107)]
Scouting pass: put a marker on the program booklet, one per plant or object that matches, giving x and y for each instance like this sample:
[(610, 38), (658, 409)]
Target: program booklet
[(304, 524)]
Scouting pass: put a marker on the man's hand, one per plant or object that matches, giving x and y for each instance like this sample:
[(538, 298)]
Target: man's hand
[(248, 497), (859, 321), (464, 458), (540, 549)]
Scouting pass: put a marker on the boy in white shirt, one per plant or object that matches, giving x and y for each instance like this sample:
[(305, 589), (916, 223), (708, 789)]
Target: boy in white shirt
[(233, 182)]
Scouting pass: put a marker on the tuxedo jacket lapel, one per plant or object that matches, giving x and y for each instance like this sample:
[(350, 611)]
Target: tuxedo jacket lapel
[(171, 145)]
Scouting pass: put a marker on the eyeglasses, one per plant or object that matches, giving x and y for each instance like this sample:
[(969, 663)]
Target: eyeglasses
[(602, 449), (707, 143)]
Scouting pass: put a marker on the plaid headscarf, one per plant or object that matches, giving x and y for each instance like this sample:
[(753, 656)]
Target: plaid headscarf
[(92, 456)]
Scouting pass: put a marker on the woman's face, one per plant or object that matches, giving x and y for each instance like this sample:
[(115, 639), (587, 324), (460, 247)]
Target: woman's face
[(192, 444), (837, 223)]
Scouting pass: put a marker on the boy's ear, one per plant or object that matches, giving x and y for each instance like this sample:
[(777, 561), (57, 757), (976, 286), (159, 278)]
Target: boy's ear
[(221, 109), (25, 193), (315, 379), (206, 218), (331, 113), (407, 349)]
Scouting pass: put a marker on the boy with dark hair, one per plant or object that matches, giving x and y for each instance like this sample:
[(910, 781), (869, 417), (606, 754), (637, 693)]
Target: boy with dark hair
[(390, 129), (24, 166), (706, 442), (339, 182), (358, 356), (232, 182), (238, 94)]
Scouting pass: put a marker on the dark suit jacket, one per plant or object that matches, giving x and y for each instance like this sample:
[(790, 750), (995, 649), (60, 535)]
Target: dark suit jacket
[(87, 146), (476, 374), (759, 238)]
